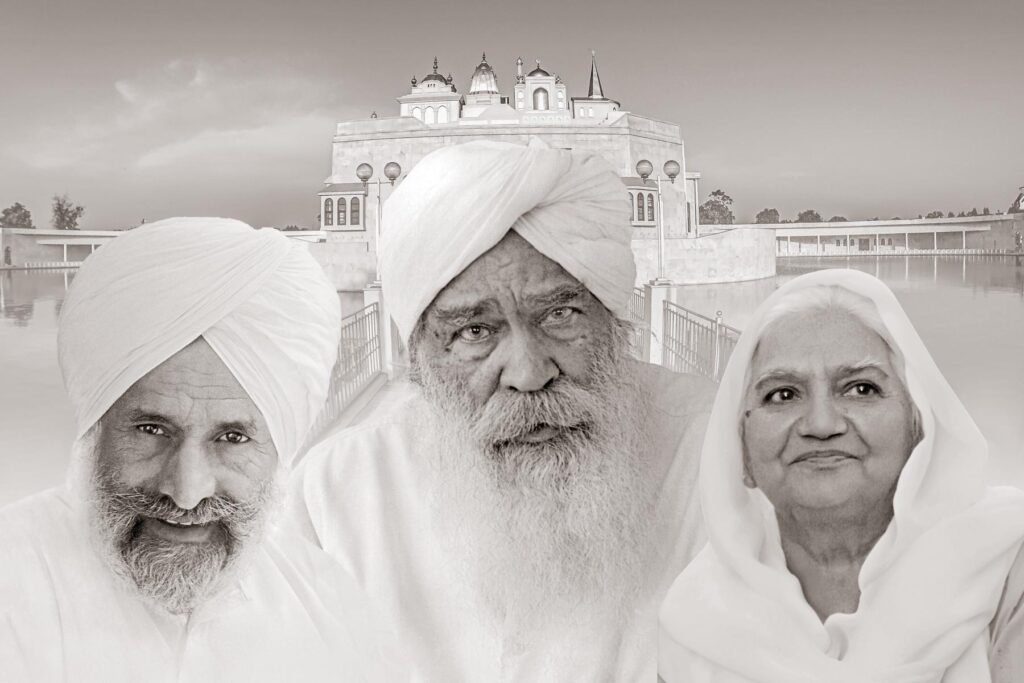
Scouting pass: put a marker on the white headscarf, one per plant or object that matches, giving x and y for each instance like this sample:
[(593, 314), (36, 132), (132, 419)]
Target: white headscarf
[(259, 299), (462, 200), (929, 587)]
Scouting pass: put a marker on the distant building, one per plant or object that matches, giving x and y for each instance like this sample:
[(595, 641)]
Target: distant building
[(433, 114)]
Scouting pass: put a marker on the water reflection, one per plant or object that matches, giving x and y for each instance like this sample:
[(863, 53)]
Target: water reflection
[(982, 272), (21, 291)]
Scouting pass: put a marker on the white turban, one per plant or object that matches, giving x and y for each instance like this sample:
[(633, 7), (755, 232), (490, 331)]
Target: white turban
[(460, 201), (259, 299)]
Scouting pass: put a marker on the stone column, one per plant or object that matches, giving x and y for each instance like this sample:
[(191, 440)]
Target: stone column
[(655, 296), (374, 294)]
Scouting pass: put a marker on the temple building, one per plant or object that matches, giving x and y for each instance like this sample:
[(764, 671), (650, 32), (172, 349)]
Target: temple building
[(433, 114)]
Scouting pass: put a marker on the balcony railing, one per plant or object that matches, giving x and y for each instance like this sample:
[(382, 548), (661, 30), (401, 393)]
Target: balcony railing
[(359, 364), (641, 326), (696, 344)]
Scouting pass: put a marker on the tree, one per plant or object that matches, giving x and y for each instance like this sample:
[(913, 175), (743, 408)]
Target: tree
[(808, 216), (986, 212), (65, 213), (934, 214), (837, 219), (767, 216), (716, 211), (16, 216), (950, 215), (972, 212)]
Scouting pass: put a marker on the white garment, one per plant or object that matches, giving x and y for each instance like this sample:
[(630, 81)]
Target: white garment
[(930, 587), (461, 200), (293, 616), (364, 495)]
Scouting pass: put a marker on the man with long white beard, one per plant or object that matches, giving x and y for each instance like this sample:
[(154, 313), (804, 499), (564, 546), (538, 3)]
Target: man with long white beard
[(522, 510), (196, 354)]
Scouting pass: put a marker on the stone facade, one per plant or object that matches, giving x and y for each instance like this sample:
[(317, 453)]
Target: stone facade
[(20, 247), (540, 106), (731, 256), (593, 123)]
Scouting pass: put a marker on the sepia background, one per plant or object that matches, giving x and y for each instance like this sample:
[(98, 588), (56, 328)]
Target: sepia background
[(858, 110)]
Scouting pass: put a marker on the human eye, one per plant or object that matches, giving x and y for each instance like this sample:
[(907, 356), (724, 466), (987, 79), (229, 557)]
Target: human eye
[(780, 395), (474, 333), (862, 390), (151, 429), (560, 315), (233, 437)]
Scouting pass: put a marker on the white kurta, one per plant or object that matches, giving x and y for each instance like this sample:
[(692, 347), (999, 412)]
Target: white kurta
[(362, 495), (293, 616)]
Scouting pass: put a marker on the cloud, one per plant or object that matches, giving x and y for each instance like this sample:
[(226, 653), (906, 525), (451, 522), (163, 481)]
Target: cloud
[(190, 114)]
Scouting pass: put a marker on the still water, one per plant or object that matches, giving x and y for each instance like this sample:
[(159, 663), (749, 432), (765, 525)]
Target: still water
[(968, 310)]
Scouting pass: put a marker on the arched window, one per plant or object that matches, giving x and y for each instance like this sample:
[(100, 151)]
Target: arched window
[(353, 208), (341, 211), (428, 115), (328, 211), (442, 114), (418, 113), (590, 112), (650, 207), (540, 99), (640, 206)]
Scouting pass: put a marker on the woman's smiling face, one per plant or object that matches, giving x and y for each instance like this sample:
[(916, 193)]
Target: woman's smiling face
[(828, 423)]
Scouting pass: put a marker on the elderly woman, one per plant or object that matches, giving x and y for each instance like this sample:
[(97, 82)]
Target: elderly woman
[(852, 538)]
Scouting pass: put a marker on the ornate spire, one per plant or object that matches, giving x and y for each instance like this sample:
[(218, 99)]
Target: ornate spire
[(484, 58), (435, 64), (595, 92)]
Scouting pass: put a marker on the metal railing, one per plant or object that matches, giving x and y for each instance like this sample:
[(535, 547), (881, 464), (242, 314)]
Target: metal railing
[(358, 364), (694, 343), (641, 325)]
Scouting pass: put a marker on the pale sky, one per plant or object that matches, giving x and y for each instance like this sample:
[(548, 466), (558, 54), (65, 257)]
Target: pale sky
[(148, 109)]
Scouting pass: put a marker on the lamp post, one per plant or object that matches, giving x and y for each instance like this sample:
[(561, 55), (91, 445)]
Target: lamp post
[(364, 172), (644, 168)]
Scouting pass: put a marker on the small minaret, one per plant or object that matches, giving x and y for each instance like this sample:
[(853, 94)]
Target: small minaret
[(519, 70), (595, 107), (432, 100), (595, 79)]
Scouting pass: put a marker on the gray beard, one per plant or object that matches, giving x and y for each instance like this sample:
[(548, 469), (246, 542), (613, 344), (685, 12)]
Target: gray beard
[(175, 577), (550, 532)]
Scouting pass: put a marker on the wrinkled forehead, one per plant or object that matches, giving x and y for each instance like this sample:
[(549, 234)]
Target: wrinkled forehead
[(511, 270), (834, 339), (191, 383)]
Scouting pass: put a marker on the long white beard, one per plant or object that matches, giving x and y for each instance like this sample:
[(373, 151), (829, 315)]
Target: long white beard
[(552, 531)]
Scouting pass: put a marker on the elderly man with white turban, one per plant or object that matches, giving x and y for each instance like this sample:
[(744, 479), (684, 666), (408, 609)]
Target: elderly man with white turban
[(196, 354), (521, 512)]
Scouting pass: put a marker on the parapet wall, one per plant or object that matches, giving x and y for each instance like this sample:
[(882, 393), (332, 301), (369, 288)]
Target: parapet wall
[(728, 256)]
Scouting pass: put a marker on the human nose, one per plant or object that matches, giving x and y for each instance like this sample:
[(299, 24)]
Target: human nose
[(187, 477), (527, 363), (822, 417)]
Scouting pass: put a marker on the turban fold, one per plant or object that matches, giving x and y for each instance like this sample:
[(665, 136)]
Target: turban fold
[(259, 299), (460, 201)]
